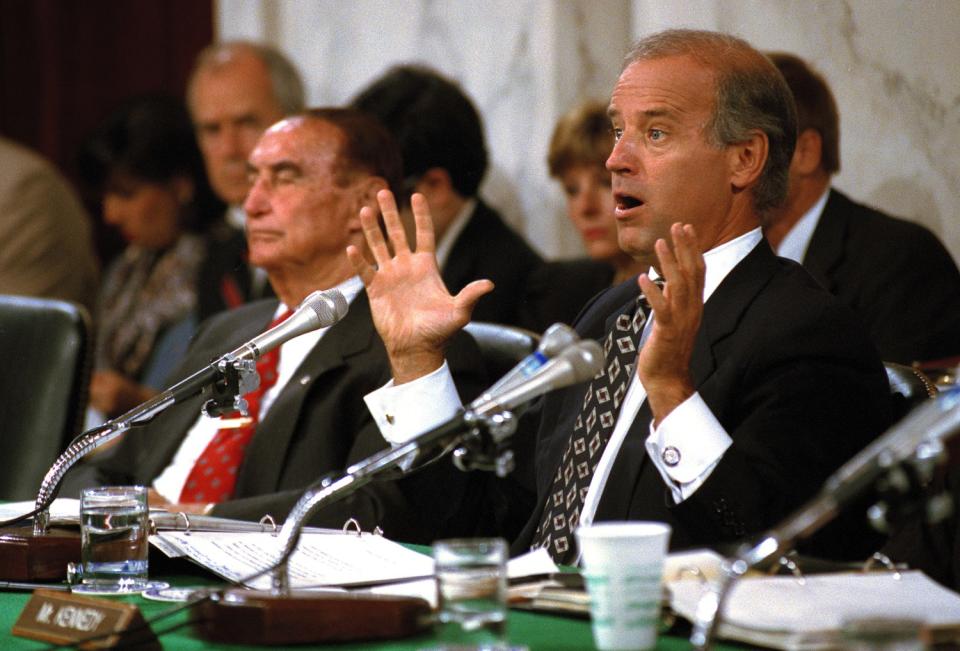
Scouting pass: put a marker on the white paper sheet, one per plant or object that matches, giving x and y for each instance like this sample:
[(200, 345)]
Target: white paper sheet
[(784, 613), (320, 559)]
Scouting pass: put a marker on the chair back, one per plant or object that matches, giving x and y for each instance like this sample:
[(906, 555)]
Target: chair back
[(502, 346), (43, 392)]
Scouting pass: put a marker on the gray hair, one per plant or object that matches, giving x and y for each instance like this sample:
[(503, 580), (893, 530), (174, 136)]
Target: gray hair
[(286, 81), (750, 95)]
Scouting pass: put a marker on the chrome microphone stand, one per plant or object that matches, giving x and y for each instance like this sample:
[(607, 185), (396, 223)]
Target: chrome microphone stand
[(490, 429), (228, 378)]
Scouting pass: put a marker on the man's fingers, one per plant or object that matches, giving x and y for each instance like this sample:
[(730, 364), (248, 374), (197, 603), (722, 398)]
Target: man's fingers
[(473, 292), (685, 248), (424, 222), (360, 265), (392, 222), (653, 294), (373, 235)]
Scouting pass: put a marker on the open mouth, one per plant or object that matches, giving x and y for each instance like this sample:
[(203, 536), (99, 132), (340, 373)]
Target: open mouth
[(625, 202)]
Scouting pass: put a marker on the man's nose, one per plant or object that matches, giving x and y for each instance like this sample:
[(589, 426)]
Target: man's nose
[(112, 209), (622, 158), (230, 142), (256, 202)]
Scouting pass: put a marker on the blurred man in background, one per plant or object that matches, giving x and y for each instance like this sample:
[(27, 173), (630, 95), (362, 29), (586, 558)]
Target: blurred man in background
[(895, 274)]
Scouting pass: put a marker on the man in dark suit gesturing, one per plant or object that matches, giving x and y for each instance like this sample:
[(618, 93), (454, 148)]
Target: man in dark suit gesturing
[(751, 385), (310, 175)]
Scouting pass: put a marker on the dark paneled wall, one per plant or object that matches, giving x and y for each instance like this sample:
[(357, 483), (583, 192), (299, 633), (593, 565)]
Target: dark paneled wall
[(65, 64)]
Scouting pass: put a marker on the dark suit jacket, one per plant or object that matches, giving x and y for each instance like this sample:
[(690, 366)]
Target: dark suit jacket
[(895, 274), (319, 424), (787, 372), (225, 279), (556, 291), (488, 248)]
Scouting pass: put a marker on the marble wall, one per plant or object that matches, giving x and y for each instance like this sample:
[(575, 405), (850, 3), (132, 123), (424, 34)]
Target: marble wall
[(892, 65)]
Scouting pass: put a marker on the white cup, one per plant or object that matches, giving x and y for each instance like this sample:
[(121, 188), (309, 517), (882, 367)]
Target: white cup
[(623, 567)]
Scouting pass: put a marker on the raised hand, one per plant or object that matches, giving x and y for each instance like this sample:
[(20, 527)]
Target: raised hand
[(412, 309), (664, 361)]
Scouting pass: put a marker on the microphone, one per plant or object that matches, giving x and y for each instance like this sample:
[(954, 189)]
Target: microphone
[(321, 309), (578, 362), (555, 339)]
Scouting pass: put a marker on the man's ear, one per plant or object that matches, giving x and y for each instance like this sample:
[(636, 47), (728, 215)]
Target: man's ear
[(747, 159), (807, 155)]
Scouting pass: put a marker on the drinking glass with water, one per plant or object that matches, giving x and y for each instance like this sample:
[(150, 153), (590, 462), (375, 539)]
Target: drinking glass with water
[(113, 538), (471, 593)]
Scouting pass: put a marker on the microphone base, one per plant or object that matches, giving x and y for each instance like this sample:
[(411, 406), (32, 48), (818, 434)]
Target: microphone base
[(27, 557), (255, 617)]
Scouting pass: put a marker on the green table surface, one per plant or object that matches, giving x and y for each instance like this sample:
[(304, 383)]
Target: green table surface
[(533, 630)]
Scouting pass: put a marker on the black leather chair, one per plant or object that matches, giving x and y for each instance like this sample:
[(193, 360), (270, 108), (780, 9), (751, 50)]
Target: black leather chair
[(44, 345), (502, 346)]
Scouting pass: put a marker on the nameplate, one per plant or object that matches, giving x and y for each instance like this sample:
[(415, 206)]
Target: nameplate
[(64, 618)]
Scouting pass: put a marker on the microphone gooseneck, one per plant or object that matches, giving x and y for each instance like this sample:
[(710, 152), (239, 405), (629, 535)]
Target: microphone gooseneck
[(320, 309)]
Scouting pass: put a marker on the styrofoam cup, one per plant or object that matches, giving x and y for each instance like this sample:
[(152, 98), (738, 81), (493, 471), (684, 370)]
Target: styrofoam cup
[(623, 566)]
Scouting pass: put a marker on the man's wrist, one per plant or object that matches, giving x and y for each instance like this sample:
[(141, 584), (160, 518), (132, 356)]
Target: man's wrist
[(665, 396), (411, 366)]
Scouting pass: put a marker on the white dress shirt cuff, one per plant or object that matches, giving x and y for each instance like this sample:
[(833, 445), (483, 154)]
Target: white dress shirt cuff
[(687, 446), (403, 411)]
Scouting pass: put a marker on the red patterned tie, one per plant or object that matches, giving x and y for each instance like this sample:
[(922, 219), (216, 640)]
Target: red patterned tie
[(214, 475)]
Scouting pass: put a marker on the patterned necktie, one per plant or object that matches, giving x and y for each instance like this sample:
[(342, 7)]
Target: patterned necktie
[(214, 475), (591, 432)]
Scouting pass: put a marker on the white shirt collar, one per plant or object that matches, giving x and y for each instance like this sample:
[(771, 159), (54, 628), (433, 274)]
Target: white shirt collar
[(796, 242), (453, 231), (721, 260)]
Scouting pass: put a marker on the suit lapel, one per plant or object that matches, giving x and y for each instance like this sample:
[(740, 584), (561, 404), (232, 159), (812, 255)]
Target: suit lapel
[(458, 269), (825, 250), (274, 436)]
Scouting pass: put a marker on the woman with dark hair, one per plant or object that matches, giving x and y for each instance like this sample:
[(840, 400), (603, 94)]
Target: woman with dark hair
[(145, 162)]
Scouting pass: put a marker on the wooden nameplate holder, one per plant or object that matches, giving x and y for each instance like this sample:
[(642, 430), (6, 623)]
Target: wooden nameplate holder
[(64, 618), (256, 617), (26, 557)]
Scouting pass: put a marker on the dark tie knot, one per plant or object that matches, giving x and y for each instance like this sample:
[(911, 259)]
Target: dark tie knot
[(643, 305)]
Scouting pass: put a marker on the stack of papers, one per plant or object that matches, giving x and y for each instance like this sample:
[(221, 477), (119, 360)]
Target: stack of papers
[(785, 613), (320, 560), (323, 560)]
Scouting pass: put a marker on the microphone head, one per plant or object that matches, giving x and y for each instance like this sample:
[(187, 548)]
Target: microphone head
[(556, 338), (329, 306), (585, 358)]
